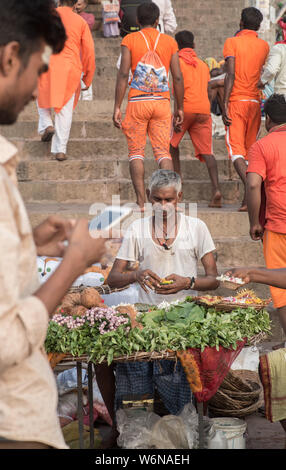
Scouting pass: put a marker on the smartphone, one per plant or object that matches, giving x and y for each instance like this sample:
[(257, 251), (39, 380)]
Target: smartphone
[(111, 216)]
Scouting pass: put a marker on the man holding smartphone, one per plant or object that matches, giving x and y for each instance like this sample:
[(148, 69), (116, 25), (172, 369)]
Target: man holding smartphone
[(28, 392)]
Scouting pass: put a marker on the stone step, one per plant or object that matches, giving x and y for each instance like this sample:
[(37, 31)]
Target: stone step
[(224, 222), (100, 127), (109, 168), (111, 147), (97, 190)]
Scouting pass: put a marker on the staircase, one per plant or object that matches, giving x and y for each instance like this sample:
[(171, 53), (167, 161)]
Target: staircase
[(97, 168)]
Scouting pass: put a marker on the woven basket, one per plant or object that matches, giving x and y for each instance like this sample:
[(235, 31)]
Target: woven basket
[(239, 395), (228, 307), (241, 413), (138, 356), (230, 285), (103, 289), (222, 399)]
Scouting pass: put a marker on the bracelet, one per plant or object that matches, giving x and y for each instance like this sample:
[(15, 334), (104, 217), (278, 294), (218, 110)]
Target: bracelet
[(193, 281)]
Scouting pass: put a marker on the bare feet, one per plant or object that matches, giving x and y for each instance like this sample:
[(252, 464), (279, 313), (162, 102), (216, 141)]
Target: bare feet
[(48, 134), (243, 208), (216, 200), (61, 157)]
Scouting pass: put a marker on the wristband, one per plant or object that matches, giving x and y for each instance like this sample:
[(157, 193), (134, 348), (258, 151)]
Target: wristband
[(192, 282)]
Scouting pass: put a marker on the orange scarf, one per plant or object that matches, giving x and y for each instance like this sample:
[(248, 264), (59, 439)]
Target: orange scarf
[(189, 56)]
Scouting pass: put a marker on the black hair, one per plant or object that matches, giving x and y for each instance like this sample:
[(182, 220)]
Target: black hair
[(29, 21), (147, 14), (275, 108), (251, 18), (185, 39)]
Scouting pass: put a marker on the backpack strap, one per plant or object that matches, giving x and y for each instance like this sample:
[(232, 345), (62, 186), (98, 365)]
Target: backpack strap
[(156, 43), (145, 40), (157, 40)]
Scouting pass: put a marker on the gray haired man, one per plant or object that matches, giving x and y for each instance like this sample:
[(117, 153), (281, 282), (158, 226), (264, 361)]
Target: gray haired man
[(168, 244)]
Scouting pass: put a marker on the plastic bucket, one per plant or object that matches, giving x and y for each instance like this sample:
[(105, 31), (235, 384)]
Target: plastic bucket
[(233, 429)]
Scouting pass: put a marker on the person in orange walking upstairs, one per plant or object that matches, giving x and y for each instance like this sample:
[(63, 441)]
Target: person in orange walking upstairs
[(149, 54), (245, 55), (197, 113), (60, 87)]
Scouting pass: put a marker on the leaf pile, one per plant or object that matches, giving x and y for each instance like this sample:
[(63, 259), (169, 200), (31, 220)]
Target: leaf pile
[(183, 325)]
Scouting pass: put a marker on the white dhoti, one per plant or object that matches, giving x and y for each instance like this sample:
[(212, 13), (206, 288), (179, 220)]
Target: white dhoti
[(86, 95), (63, 122)]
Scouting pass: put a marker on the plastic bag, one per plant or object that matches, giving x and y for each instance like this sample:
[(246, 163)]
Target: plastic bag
[(67, 405), (169, 433), (135, 428), (140, 429), (248, 359)]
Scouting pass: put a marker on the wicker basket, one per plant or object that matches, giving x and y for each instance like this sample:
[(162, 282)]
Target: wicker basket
[(230, 285), (239, 395), (136, 357), (228, 307), (241, 413), (103, 289)]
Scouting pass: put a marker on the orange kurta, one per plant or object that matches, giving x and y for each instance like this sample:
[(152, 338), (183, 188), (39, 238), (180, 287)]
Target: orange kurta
[(57, 86)]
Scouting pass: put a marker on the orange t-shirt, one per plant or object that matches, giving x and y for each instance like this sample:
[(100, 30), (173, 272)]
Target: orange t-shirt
[(166, 48), (267, 158), (250, 53), (196, 87)]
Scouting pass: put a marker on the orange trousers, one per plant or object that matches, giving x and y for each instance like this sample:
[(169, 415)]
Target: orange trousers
[(152, 118), (243, 131), (274, 248)]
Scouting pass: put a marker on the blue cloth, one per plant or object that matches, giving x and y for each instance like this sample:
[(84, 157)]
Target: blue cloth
[(141, 378)]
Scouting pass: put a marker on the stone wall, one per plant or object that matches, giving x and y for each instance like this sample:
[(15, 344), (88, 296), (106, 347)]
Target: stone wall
[(212, 21)]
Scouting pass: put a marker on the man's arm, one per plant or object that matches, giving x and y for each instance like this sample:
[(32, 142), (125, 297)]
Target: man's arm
[(121, 85), (178, 84), (228, 85), (207, 282), (169, 19), (253, 200), (270, 277), (271, 68), (118, 277)]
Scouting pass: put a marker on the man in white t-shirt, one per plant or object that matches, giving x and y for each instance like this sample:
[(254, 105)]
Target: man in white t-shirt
[(166, 245)]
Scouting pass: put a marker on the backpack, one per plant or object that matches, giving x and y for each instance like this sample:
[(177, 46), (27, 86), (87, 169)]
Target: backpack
[(150, 74), (128, 15)]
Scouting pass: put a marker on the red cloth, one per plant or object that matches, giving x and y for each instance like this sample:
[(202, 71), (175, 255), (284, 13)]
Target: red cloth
[(283, 26), (205, 371)]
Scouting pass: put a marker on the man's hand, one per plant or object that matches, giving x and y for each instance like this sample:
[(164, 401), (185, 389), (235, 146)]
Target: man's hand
[(178, 120), (256, 232), (241, 273), (117, 118), (226, 119), (147, 279), (260, 85), (179, 283), (50, 235), (84, 248)]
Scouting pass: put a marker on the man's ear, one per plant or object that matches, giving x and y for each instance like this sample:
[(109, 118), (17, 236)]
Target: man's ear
[(148, 194), (9, 58), (180, 196)]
